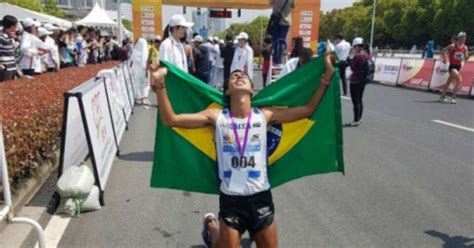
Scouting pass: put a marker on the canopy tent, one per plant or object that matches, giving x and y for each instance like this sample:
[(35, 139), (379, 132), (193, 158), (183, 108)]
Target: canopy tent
[(231, 4), (21, 14), (97, 17)]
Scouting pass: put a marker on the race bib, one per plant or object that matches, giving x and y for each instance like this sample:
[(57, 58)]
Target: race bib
[(459, 56)]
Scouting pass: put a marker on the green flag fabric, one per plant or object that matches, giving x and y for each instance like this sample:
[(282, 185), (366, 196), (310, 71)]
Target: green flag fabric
[(185, 159)]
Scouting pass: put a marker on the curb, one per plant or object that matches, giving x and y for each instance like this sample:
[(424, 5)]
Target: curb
[(32, 186)]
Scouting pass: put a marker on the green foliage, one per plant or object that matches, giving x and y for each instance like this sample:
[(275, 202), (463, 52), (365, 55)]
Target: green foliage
[(51, 8), (127, 24), (401, 23), (27, 4), (255, 29)]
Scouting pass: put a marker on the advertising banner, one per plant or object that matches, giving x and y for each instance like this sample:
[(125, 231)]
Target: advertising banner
[(231, 4), (122, 86), (305, 22), (130, 84), (416, 73), (441, 75), (116, 102), (100, 130), (147, 18), (387, 70), (74, 143)]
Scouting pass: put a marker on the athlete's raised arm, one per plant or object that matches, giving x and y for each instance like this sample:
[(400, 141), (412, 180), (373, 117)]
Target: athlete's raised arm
[(282, 115), (168, 116)]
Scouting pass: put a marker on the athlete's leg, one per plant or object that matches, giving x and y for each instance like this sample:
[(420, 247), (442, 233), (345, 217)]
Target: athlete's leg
[(448, 82), (457, 82), (267, 237), (228, 236)]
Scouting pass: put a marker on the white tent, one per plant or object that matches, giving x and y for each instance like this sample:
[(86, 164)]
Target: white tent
[(97, 17), (21, 14)]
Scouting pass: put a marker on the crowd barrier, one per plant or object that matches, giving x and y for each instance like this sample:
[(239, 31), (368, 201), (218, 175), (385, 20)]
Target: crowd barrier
[(96, 115), (421, 74)]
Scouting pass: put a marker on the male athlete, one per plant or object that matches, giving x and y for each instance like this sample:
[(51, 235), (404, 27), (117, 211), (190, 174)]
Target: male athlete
[(240, 134)]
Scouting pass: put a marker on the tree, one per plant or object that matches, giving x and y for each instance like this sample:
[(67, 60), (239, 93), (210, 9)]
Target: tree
[(27, 4), (51, 8), (255, 29), (127, 24)]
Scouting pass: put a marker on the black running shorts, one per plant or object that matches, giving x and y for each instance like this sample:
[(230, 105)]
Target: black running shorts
[(252, 213), (457, 67)]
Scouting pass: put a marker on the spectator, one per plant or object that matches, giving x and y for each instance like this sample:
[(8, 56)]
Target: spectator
[(283, 9), (171, 49), (227, 53), (154, 46), (357, 80), (291, 65), (297, 47), (209, 44), (123, 52), (243, 56), (201, 59), (188, 50), (342, 51), (65, 54), (217, 80), (266, 54), (48, 59), (139, 60), (53, 46), (8, 65), (31, 50), (81, 45)]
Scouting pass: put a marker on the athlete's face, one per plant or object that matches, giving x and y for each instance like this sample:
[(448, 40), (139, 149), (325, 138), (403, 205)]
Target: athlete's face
[(461, 40), (239, 81)]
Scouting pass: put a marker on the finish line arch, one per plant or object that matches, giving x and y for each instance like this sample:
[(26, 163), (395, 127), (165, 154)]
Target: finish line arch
[(147, 15)]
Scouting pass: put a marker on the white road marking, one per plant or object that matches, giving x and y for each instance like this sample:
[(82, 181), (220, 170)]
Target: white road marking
[(55, 230), (346, 98), (454, 125)]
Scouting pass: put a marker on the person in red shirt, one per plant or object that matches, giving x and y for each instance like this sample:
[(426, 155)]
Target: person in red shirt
[(457, 53)]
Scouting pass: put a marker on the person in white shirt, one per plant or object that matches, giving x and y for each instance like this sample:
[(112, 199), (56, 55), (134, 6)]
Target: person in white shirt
[(53, 56), (243, 56), (31, 48), (217, 80), (171, 49), (139, 60), (342, 51), (304, 57), (212, 57)]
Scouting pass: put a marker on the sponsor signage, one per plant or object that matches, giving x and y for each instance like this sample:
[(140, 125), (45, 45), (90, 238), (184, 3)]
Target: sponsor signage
[(416, 73), (146, 18), (305, 22), (441, 75), (387, 70)]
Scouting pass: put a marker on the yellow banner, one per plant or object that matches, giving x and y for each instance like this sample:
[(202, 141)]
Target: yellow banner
[(231, 4), (147, 18), (305, 22)]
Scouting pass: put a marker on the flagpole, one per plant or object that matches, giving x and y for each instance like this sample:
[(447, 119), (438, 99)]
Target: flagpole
[(119, 20), (373, 27)]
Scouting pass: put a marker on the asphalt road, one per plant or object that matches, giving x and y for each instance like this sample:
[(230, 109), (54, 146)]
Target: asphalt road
[(409, 183)]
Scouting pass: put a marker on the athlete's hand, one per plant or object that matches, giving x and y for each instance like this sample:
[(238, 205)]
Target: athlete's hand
[(157, 75)]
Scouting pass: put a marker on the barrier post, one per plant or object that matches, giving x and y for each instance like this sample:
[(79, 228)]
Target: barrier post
[(6, 214)]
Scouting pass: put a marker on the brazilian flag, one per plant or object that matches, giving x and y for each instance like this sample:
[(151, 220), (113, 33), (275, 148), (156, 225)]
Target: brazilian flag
[(185, 159)]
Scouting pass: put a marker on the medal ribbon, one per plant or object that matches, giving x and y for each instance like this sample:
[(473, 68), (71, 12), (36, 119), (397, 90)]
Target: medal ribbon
[(241, 147)]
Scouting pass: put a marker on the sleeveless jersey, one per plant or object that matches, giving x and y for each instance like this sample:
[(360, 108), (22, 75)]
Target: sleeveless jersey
[(456, 55), (242, 175)]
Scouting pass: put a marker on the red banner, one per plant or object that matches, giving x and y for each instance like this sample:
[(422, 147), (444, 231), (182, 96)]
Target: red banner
[(441, 74), (416, 73)]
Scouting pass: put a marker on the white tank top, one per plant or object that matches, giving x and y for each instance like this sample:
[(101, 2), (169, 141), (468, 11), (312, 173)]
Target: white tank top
[(242, 174)]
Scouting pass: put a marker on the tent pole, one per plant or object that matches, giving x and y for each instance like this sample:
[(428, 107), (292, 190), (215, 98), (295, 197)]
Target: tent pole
[(119, 20)]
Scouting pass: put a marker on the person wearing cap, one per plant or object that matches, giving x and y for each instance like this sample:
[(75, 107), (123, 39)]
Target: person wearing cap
[(209, 44), (48, 61), (227, 53), (153, 47), (457, 54), (357, 81), (31, 48), (8, 65), (201, 59), (217, 80), (243, 56), (245, 199), (172, 49)]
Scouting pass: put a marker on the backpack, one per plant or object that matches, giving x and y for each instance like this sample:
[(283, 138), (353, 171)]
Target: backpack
[(368, 70)]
